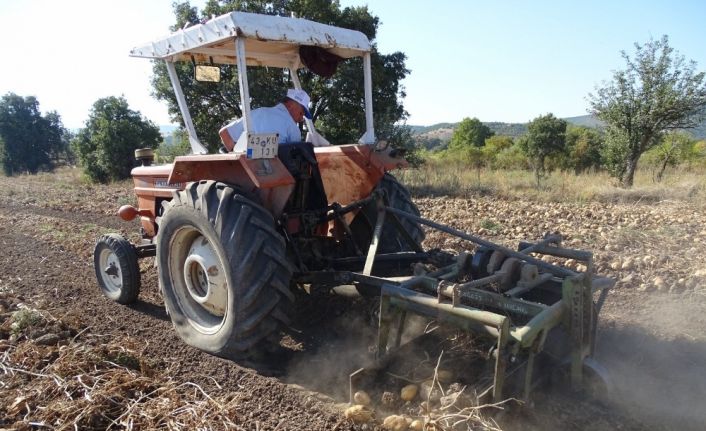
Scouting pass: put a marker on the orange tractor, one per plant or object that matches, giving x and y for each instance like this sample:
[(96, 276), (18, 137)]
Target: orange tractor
[(235, 233)]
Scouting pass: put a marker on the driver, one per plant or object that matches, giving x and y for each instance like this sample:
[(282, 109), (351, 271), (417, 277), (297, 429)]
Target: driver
[(283, 118)]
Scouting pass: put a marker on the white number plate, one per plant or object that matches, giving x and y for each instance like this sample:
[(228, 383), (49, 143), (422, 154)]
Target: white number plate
[(262, 145)]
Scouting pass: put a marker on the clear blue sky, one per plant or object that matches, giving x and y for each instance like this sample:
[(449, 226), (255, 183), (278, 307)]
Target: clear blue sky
[(514, 60), (498, 61)]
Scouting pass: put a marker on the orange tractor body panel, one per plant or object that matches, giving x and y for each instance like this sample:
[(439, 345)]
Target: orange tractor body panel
[(348, 173), (151, 185), (351, 172)]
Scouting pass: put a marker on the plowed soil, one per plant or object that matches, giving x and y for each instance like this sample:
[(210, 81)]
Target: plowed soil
[(652, 333)]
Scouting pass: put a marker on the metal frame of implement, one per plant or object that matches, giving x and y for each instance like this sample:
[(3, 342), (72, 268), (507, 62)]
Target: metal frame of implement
[(467, 306)]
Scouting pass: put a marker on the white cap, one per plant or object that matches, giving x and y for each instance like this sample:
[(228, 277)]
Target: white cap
[(301, 98)]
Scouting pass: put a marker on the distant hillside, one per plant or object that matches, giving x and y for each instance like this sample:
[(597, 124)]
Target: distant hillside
[(698, 132), (586, 121), (439, 135), (418, 130), (507, 129)]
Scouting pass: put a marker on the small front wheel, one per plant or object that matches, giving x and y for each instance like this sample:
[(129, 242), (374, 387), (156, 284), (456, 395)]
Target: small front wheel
[(117, 271)]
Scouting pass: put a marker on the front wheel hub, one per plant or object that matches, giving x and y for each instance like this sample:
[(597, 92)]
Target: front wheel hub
[(113, 279)]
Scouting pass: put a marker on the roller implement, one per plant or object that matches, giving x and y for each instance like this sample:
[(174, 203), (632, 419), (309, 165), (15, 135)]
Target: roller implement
[(236, 234)]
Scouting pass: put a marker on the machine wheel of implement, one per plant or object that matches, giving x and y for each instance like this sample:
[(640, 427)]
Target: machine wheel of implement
[(391, 240), (223, 270), (597, 383), (118, 274), (557, 349)]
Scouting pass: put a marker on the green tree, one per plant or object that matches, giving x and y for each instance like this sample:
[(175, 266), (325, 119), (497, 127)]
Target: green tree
[(467, 141), (112, 133), (400, 138), (697, 155), (583, 149), (59, 140), (672, 149), (337, 101), (30, 142), (546, 137), (495, 145), (178, 145), (512, 158), (470, 132), (658, 91)]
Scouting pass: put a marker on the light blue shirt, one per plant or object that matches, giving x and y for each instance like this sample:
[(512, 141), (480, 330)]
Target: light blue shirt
[(274, 119)]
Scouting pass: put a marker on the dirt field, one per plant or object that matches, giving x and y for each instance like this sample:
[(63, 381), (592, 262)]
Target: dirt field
[(77, 357)]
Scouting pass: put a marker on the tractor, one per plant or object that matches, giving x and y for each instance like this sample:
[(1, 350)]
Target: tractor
[(235, 234)]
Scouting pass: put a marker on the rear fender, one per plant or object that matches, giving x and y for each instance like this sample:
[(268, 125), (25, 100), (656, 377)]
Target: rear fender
[(266, 179), (351, 172)]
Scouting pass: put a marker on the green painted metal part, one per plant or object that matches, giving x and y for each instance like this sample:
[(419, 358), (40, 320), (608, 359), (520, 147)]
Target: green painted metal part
[(573, 310), (518, 319)]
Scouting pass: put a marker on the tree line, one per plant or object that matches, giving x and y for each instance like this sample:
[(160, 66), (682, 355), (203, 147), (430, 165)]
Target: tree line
[(552, 143), (644, 107), (31, 142)]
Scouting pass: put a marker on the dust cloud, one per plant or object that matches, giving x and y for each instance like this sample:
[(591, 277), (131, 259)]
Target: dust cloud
[(338, 346), (334, 346), (654, 351), (659, 367)]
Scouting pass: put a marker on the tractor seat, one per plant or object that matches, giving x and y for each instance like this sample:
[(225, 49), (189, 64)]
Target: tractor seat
[(300, 160), (226, 139)]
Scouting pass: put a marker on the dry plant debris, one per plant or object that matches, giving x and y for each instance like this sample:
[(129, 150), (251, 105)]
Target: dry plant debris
[(91, 384)]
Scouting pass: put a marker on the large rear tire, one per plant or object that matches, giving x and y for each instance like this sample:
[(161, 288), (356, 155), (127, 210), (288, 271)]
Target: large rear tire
[(392, 241), (223, 270), (117, 271)]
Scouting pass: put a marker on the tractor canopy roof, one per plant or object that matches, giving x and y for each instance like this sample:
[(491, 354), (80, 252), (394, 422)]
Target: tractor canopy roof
[(272, 41)]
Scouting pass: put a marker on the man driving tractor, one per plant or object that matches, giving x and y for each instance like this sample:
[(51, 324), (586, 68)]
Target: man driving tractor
[(283, 118)]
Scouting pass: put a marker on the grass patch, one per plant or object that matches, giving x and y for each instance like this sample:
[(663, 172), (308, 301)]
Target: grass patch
[(89, 228), (53, 232), (490, 225), (125, 358), (126, 200), (458, 180), (24, 319)]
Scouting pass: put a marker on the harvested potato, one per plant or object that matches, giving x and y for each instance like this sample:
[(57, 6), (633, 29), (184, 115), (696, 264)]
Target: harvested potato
[(417, 425), (395, 423), (362, 398), (409, 392), (659, 283), (358, 414)]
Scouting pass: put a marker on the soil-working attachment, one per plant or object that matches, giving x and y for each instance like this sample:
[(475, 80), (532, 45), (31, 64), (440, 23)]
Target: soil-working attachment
[(235, 234)]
